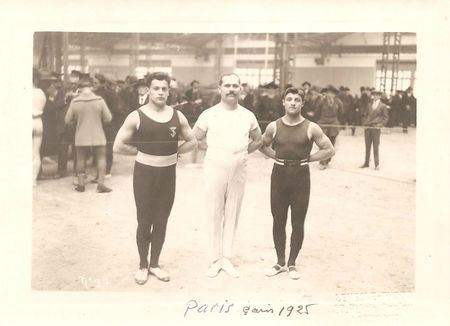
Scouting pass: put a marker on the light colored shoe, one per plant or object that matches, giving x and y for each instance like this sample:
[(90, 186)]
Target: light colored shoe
[(160, 274), (214, 269), (108, 176), (292, 273), (228, 267), (275, 270), (141, 276)]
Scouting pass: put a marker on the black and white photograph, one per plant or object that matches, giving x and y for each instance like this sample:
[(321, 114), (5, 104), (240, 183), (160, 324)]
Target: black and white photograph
[(223, 174)]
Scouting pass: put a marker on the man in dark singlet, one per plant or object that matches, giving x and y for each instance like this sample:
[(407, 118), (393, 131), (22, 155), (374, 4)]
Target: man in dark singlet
[(292, 136), (151, 133)]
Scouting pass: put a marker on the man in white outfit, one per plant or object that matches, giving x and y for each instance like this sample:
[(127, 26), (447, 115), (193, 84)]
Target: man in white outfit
[(232, 132)]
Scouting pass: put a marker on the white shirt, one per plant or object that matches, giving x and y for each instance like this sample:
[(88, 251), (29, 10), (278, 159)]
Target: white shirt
[(375, 104), (142, 99), (227, 131)]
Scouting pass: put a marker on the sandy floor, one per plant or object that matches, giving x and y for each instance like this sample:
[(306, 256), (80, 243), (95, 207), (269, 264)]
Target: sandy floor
[(359, 236)]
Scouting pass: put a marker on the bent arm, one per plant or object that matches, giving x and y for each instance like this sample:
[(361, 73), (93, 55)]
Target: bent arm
[(267, 140), (326, 149), (255, 140), (190, 142), (125, 135)]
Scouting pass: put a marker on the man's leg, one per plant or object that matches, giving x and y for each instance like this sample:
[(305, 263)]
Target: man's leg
[(63, 150), (368, 142), (299, 199), (100, 154), (81, 166), (109, 133), (162, 207), (233, 203), (215, 187), (279, 204), (143, 183), (376, 144)]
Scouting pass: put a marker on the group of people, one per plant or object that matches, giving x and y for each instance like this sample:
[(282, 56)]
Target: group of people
[(156, 133), (148, 119)]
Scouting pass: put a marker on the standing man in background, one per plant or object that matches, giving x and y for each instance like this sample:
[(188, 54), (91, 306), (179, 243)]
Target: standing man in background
[(155, 127), (231, 133), (329, 112), (375, 116)]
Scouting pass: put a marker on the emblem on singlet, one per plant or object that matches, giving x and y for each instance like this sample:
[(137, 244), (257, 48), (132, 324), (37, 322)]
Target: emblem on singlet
[(173, 131)]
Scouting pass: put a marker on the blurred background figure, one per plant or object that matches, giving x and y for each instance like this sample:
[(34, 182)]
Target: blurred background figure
[(37, 109), (195, 102), (269, 106), (329, 112), (88, 112), (246, 98), (408, 109)]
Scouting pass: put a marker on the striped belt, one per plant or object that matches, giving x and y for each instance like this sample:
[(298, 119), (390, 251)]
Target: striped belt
[(156, 160), (291, 162)]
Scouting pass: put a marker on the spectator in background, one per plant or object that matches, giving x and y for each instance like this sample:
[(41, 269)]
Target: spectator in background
[(408, 109), (48, 145), (139, 97), (347, 102), (246, 98), (174, 100), (89, 111), (100, 88), (124, 106), (269, 107), (374, 116), (329, 112), (37, 108), (396, 108), (195, 101)]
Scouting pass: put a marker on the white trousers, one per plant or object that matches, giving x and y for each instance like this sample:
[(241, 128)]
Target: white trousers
[(225, 177)]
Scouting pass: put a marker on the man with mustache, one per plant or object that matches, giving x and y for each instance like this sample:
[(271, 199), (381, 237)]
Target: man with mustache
[(231, 132)]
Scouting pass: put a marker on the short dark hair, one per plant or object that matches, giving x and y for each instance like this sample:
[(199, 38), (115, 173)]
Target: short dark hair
[(306, 83), (158, 76), (293, 90), (230, 74), (85, 82), (194, 81)]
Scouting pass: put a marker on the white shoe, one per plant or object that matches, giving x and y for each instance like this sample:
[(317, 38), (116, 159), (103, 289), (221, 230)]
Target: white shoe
[(292, 273), (214, 269), (107, 176), (160, 274), (274, 270), (228, 267), (141, 276)]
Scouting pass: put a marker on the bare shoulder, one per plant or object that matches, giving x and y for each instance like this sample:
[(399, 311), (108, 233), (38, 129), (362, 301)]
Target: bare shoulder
[(271, 128), (314, 130), (132, 120)]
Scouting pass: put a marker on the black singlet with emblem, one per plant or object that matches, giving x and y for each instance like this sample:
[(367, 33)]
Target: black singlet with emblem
[(158, 138)]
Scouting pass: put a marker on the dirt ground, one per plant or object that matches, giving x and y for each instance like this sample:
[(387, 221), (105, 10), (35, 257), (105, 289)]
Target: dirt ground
[(359, 232)]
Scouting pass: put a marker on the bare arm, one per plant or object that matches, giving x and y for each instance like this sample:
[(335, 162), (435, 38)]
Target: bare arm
[(267, 140), (125, 135), (256, 140), (326, 149), (190, 142)]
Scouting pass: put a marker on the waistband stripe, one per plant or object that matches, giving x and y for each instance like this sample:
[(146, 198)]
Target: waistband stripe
[(156, 160)]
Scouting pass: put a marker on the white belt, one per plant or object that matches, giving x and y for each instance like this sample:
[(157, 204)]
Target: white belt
[(156, 160)]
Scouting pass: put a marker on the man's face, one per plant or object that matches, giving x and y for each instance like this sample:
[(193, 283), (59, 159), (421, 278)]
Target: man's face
[(376, 96), (330, 95), (95, 84), (173, 84), (306, 87), (292, 104), (230, 88), (159, 92), (195, 86), (142, 90)]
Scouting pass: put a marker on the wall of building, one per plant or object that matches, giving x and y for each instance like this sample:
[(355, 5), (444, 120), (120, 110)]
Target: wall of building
[(349, 69)]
